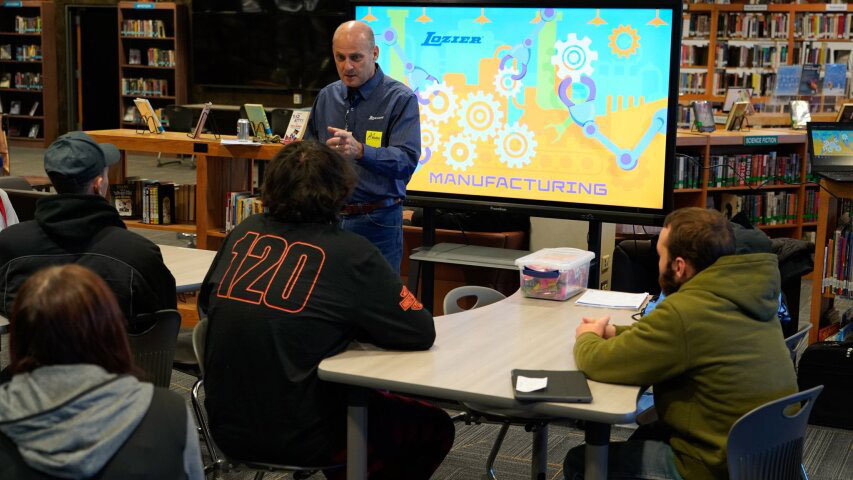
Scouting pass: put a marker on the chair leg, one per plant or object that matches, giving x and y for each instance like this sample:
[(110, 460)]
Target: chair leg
[(205, 430), (493, 455), (259, 476), (539, 463), (805, 475)]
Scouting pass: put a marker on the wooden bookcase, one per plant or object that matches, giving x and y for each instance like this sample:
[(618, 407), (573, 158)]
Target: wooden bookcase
[(827, 222), (706, 145), (790, 41), (30, 72), (144, 26)]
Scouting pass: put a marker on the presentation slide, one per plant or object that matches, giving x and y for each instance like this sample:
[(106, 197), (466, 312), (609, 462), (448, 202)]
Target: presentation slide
[(552, 104)]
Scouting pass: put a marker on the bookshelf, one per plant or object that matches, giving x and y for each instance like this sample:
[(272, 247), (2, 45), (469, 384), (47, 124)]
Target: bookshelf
[(741, 44), (153, 56), (794, 211), (828, 216), (28, 89)]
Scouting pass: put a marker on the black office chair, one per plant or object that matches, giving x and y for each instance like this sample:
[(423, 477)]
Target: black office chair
[(221, 462), (24, 202), (153, 350), (180, 119), (279, 119), (14, 183)]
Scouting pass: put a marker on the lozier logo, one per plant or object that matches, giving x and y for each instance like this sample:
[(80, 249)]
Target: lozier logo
[(433, 40)]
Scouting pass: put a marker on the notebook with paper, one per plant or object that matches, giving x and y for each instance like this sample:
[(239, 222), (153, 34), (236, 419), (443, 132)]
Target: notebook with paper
[(608, 299)]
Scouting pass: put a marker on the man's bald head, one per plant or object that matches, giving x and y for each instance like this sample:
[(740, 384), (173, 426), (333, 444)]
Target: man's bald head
[(355, 53)]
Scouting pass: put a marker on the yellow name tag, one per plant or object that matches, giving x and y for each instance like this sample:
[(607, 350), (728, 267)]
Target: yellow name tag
[(374, 139)]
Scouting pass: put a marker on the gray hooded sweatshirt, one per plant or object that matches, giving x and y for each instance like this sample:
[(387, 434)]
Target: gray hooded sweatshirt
[(69, 420)]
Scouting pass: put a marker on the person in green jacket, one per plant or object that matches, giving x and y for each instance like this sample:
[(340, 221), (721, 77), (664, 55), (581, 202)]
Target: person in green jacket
[(713, 350)]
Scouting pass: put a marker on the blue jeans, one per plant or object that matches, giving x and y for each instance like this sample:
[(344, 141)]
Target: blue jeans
[(642, 457), (384, 228)]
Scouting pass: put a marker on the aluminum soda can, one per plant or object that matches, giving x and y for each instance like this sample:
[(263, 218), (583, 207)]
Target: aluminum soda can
[(243, 129)]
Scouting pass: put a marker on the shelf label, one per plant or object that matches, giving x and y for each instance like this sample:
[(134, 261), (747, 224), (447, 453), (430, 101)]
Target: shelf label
[(755, 8), (143, 6), (761, 140), (836, 7), (12, 4)]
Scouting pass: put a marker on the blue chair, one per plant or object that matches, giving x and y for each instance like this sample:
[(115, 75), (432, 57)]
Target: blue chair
[(221, 462), (534, 423), (768, 442), (793, 342)]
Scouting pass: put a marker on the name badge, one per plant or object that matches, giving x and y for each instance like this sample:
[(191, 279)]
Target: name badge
[(373, 139)]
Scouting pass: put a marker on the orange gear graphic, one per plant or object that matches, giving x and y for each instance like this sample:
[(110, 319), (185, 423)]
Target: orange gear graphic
[(624, 52)]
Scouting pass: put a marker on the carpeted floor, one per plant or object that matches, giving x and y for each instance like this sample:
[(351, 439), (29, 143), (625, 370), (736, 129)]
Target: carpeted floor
[(828, 452)]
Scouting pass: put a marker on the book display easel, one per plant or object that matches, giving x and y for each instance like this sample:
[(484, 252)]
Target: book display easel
[(152, 57), (737, 44), (28, 90), (763, 172)]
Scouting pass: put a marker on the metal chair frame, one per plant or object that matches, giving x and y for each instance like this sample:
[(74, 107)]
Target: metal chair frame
[(793, 342), (222, 462)]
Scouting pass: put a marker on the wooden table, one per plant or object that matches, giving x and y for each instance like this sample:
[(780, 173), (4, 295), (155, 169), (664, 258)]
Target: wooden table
[(188, 266), (220, 169), (471, 360)]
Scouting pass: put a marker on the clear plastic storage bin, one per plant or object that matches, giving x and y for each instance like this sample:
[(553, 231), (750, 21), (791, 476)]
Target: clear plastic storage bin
[(554, 273)]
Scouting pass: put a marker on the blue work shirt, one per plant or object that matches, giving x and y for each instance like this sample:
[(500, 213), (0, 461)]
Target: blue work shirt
[(381, 105)]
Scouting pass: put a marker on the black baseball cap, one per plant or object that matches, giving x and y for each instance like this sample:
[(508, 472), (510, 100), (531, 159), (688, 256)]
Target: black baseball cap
[(79, 158)]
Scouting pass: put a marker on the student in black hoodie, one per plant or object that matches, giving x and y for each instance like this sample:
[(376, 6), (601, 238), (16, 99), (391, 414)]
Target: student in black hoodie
[(289, 288), (79, 226)]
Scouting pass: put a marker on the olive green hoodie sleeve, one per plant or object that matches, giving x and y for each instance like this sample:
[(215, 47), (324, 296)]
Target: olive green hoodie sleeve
[(649, 351)]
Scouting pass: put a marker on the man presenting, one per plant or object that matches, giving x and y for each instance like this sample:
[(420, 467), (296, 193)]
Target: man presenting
[(713, 350), (373, 121)]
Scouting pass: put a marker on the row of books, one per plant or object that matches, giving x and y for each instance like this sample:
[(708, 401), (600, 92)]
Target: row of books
[(156, 57), (688, 172), (15, 107), (22, 80), (767, 208), (752, 25), (755, 170), (18, 130), (23, 53), (751, 56), (810, 206), (761, 82), (156, 203), (837, 274), (143, 28), (240, 206), (696, 25), (692, 82), (824, 25), (148, 87), (27, 24), (694, 55)]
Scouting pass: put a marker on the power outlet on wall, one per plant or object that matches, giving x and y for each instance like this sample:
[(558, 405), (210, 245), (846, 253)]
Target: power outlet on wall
[(297, 99), (605, 263)]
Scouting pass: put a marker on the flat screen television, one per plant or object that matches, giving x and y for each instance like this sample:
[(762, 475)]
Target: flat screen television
[(558, 110), (261, 44)]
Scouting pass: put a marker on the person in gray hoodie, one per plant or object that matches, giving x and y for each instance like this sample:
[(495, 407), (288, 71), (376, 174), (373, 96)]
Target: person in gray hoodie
[(73, 407)]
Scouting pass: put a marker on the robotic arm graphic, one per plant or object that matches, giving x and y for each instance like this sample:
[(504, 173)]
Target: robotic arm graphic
[(521, 52)]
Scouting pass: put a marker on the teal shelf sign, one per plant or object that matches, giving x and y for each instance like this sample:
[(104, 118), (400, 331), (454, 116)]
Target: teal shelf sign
[(761, 140), (12, 4), (144, 6)]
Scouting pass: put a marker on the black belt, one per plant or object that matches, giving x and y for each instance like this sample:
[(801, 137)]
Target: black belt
[(365, 208)]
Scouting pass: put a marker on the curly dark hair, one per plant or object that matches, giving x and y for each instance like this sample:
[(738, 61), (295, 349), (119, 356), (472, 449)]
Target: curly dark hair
[(307, 182)]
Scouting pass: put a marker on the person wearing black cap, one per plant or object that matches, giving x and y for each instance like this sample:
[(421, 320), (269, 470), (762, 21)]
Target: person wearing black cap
[(79, 226)]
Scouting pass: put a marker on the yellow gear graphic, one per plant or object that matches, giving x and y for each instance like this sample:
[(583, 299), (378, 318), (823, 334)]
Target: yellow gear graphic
[(624, 52)]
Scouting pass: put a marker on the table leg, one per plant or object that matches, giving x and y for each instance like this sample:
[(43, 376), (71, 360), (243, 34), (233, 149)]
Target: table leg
[(357, 435), (414, 276), (597, 436), (539, 467)]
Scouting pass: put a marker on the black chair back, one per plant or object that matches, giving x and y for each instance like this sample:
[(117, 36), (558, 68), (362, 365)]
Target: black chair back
[(154, 349), (24, 202), (279, 119), (180, 118)]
